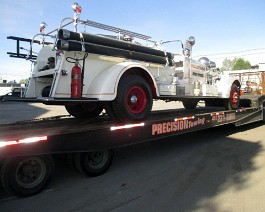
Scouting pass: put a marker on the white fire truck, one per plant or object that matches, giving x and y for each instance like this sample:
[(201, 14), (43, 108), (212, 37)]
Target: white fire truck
[(90, 72), (123, 78)]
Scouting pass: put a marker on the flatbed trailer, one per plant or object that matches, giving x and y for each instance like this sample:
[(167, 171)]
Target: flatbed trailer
[(27, 148)]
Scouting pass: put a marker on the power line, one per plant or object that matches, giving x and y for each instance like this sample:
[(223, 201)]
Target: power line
[(249, 50), (242, 53)]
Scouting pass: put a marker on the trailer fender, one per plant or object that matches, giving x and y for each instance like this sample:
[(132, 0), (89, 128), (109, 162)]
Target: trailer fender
[(105, 85)]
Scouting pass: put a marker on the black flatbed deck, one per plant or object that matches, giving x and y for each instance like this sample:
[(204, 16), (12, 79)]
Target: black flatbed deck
[(66, 124), (67, 134)]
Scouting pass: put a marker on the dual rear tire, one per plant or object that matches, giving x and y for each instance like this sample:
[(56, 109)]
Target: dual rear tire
[(29, 175), (93, 163), (26, 176)]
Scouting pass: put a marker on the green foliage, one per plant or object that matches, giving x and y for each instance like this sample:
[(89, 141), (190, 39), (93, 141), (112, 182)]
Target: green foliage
[(235, 64), (241, 64), (228, 64)]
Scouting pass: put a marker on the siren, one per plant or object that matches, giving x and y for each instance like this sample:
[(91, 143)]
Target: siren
[(77, 8), (42, 27)]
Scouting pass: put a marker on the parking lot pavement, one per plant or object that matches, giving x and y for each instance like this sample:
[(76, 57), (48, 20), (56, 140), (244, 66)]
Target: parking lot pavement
[(20, 111)]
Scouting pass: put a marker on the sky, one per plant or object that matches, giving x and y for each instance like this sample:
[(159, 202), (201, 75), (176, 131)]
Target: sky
[(222, 28)]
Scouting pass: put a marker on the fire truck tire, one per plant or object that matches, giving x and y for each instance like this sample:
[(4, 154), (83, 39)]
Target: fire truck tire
[(232, 103), (85, 110), (26, 176), (97, 162), (190, 104), (214, 102), (134, 99), (46, 91)]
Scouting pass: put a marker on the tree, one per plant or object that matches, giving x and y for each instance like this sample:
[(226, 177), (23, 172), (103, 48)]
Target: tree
[(228, 64), (235, 64), (241, 64)]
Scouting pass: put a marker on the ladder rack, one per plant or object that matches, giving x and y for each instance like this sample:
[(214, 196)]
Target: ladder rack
[(114, 29)]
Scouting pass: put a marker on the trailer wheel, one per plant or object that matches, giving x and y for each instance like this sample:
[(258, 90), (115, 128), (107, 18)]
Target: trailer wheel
[(96, 163), (134, 99), (85, 110), (76, 161), (25, 176), (233, 102), (190, 103)]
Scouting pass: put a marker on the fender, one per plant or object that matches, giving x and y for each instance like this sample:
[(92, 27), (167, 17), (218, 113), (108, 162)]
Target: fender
[(224, 85), (105, 85)]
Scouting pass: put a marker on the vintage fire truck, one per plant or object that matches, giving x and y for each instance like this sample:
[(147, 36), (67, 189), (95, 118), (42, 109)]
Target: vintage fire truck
[(88, 72)]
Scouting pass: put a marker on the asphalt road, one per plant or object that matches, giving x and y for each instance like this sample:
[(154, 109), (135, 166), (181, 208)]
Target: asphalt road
[(219, 169)]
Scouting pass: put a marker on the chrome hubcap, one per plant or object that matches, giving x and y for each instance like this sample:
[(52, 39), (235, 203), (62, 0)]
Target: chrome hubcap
[(133, 99)]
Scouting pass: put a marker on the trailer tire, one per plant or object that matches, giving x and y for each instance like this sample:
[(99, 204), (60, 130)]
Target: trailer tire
[(76, 157), (134, 99), (85, 110), (232, 103), (190, 104), (97, 162), (26, 176)]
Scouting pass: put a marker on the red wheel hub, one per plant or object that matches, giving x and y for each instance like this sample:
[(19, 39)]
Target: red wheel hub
[(234, 98), (136, 99)]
